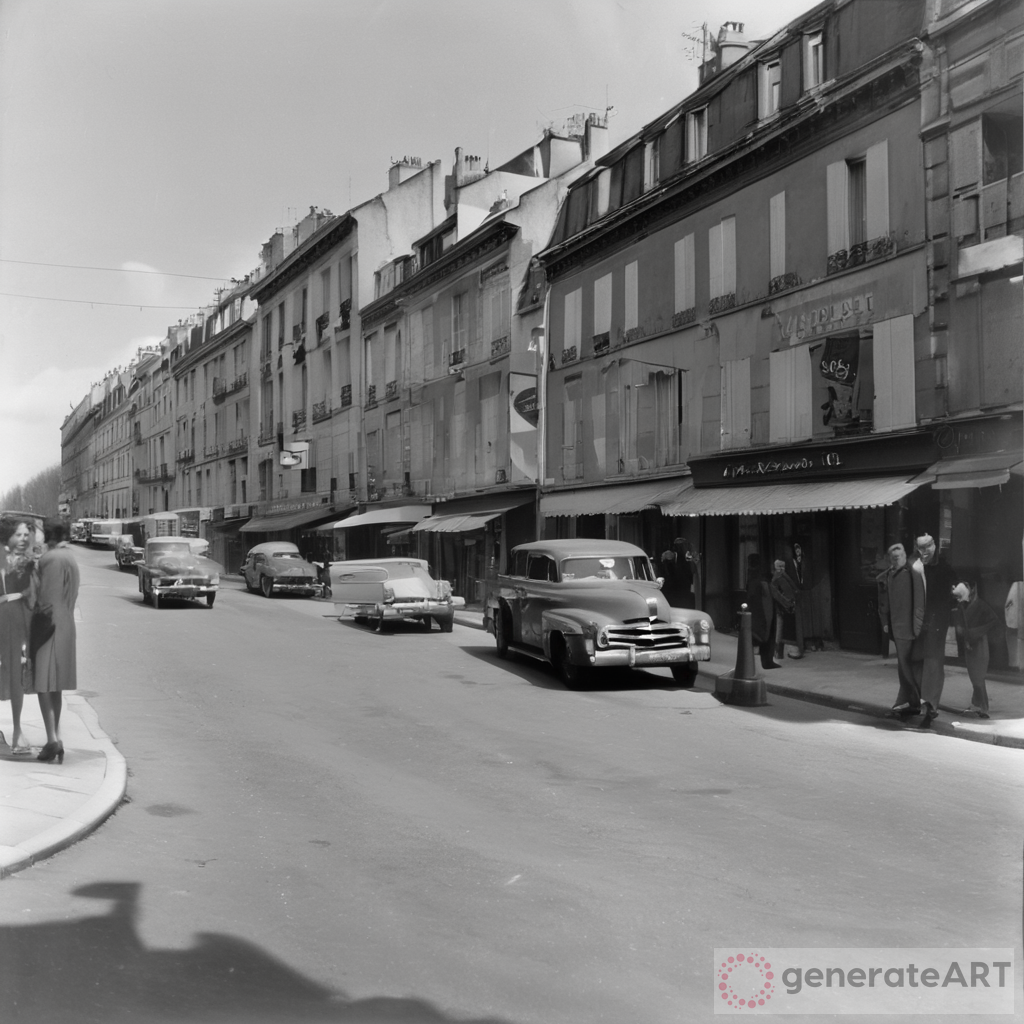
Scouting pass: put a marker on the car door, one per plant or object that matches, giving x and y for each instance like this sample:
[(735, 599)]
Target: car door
[(541, 574)]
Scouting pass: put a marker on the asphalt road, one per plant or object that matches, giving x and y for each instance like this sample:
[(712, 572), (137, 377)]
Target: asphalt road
[(326, 824)]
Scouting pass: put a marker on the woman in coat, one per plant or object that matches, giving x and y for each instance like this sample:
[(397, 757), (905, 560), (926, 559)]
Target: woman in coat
[(762, 611), (17, 590), (54, 661)]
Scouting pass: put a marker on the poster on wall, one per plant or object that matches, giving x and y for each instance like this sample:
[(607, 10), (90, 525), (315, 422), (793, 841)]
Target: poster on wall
[(838, 367), (524, 415)]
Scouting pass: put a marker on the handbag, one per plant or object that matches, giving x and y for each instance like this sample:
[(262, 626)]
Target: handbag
[(41, 628)]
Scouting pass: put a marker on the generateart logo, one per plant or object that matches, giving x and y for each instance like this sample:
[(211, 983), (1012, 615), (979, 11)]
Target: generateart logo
[(933, 982)]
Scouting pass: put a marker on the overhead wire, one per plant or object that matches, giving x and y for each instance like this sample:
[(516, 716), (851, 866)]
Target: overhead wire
[(116, 270)]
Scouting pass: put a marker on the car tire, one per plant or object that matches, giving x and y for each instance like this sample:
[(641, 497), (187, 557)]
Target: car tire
[(248, 585), (685, 674), (267, 586), (574, 676), (155, 598), (447, 624), (501, 630), (210, 598)]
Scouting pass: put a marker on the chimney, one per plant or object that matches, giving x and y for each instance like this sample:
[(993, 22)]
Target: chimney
[(731, 44), (402, 170), (596, 137)]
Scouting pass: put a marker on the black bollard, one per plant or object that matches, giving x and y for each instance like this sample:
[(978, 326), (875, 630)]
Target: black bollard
[(743, 685)]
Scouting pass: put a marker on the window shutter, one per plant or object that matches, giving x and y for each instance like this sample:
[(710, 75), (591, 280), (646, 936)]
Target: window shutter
[(632, 311), (715, 273), (881, 354), (877, 161), (603, 304), (736, 403), (572, 319), (777, 235), (684, 274), (728, 255), (893, 355), (780, 390), (838, 224), (965, 155)]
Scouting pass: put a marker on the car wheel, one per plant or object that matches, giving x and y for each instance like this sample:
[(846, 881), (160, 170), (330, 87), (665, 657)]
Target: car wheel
[(574, 676), (210, 598), (447, 625), (248, 585), (145, 595), (501, 630), (685, 674), (267, 586), (155, 598)]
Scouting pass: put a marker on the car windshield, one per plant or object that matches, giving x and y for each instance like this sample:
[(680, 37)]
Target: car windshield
[(158, 550), (617, 567)]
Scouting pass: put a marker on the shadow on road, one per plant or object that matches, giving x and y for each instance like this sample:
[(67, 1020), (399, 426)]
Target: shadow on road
[(98, 969)]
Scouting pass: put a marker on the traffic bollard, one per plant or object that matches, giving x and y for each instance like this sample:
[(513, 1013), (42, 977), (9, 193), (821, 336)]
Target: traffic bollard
[(743, 685)]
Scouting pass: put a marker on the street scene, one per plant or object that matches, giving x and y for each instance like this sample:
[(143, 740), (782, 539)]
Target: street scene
[(325, 823), (515, 512)]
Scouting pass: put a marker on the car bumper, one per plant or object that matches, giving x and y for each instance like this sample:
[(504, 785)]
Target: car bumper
[(185, 591), (400, 610), (641, 657), (285, 587)]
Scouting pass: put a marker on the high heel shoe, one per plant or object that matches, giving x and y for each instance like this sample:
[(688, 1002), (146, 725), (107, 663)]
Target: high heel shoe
[(51, 752)]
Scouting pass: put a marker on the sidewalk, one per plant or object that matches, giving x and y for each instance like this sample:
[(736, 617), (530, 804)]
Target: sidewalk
[(47, 807), (867, 684)]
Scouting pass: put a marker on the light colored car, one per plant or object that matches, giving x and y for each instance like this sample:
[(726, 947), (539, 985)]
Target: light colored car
[(103, 533), (383, 590), (127, 553), (171, 569), (587, 604), (277, 568)]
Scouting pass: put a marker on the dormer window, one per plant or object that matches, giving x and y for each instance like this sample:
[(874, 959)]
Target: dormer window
[(651, 163), (814, 61), (769, 88), (696, 135)]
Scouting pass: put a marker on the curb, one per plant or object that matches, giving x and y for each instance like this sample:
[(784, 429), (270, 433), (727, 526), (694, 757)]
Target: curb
[(842, 704), (100, 806)]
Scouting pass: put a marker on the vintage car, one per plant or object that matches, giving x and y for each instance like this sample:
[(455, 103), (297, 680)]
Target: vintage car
[(171, 569), (383, 590), (127, 553), (588, 604), (278, 568)]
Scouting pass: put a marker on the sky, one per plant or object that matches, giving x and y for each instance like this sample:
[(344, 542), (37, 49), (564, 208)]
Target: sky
[(150, 147)]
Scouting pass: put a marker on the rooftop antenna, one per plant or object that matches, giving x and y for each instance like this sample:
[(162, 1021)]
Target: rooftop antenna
[(690, 52)]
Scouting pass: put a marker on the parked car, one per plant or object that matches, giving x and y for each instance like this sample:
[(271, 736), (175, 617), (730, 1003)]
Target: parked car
[(381, 590), (587, 604), (171, 569), (278, 568), (127, 553), (103, 533)]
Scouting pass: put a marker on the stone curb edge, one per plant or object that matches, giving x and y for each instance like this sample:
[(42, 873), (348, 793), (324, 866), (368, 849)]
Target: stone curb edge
[(842, 704), (90, 815)]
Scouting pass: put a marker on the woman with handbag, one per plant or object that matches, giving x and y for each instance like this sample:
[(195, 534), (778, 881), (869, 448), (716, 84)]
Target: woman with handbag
[(17, 590), (53, 638)]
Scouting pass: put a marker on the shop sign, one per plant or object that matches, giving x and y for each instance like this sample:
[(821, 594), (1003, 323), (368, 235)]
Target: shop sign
[(773, 467), (815, 321)]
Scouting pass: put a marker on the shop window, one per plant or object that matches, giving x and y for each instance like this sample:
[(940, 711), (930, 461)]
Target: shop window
[(308, 480)]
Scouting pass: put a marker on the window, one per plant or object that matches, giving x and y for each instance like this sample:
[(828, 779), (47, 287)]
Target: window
[(684, 271), (789, 417), (652, 153), (603, 306), (572, 429), (735, 429), (392, 355), (573, 325), (325, 291), (858, 199), (499, 317), (632, 318), (777, 236), (722, 258), (267, 338), (460, 322), (280, 326), (769, 88), (668, 417), (814, 61), (696, 135)]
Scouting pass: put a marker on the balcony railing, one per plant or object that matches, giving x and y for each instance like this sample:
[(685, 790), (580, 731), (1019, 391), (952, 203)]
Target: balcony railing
[(211, 450), (346, 395), (782, 283), (266, 436), (321, 325), (321, 411), (220, 386), (501, 347), (240, 381), (860, 253), (298, 333), (345, 313), (602, 342), (569, 355), (238, 444), (155, 475), (720, 303), (298, 419), (457, 360), (390, 390), (187, 455), (371, 396)]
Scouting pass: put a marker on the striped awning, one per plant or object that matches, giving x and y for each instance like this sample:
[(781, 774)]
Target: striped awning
[(783, 498), (381, 516), (973, 471), (619, 499), (455, 524)]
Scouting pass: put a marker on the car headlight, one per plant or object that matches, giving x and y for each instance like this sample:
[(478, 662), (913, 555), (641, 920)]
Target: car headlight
[(215, 579)]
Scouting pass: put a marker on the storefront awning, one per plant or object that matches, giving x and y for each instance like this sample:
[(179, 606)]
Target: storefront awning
[(973, 471), (455, 524), (617, 500), (779, 499), (380, 516), (285, 520)]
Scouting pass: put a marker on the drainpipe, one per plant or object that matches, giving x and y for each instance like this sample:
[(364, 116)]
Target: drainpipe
[(539, 336)]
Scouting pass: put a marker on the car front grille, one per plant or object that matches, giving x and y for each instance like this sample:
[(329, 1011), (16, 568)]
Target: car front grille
[(646, 636), (296, 581), (185, 581)]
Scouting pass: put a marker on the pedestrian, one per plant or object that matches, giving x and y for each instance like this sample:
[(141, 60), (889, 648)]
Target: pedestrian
[(53, 634), (785, 594), (798, 570), (974, 620), (901, 606), (669, 573), (762, 611), (929, 650), (688, 571), (17, 597)]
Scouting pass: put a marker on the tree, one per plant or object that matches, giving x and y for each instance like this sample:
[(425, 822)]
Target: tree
[(40, 495)]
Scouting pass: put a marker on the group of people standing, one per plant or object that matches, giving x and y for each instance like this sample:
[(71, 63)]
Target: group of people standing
[(917, 602), (38, 592), (776, 606)]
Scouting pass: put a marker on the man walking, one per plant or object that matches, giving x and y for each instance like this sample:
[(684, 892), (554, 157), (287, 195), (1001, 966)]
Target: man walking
[(929, 650), (901, 604), (784, 594)]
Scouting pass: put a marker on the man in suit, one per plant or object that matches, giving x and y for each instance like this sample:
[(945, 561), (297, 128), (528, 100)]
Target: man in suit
[(929, 650), (901, 604)]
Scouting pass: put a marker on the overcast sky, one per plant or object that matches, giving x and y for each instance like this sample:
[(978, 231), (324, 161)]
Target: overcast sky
[(177, 135)]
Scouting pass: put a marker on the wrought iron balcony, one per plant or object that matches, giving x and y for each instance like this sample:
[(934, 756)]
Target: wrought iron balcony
[(602, 342), (211, 450), (782, 283), (186, 455), (298, 419), (720, 303), (266, 437), (390, 390), (345, 313), (501, 347), (569, 355), (321, 325), (346, 396), (321, 411), (220, 386), (371, 396), (238, 444)]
